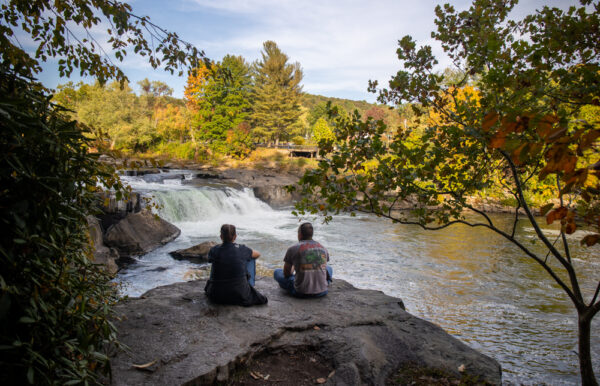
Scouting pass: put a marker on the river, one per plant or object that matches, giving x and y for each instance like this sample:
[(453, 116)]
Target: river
[(471, 282)]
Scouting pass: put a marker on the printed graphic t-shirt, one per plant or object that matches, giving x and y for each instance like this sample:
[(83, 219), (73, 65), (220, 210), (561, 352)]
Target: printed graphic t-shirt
[(309, 259)]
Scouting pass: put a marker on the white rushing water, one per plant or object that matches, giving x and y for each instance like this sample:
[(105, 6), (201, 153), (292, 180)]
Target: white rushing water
[(474, 284)]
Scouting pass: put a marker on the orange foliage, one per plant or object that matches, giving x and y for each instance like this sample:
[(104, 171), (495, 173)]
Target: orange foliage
[(197, 80)]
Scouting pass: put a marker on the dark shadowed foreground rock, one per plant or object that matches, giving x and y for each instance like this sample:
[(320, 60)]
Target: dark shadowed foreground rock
[(140, 233), (196, 254), (183, 339)]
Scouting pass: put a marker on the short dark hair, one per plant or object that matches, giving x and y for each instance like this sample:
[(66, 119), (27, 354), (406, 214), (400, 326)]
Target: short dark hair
[(306, 231), (228, 232)]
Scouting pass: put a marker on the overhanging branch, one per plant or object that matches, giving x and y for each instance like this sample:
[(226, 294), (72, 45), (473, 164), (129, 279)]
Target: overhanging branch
[(576, 296)]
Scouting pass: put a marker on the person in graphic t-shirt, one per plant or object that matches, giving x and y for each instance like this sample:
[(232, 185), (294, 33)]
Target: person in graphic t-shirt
[(232, 272), (305, 271)]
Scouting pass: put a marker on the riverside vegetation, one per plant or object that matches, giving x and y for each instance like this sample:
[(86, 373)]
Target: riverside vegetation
[(519, 118)]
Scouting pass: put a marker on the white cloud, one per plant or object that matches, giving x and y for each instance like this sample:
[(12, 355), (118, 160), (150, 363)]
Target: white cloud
[(340, 44), (350, 42)]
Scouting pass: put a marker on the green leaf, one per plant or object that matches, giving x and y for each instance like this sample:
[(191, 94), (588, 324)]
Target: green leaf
[(30, 375)]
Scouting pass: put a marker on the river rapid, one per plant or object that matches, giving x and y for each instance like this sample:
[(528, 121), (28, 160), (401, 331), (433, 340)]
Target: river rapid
[(471, 282)]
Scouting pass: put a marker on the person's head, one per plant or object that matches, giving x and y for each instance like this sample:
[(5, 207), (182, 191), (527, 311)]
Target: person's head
[(305, 231), (228, 234)]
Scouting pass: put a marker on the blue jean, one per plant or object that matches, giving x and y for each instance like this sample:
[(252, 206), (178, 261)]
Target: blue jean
[(287, 283), (251, 268)]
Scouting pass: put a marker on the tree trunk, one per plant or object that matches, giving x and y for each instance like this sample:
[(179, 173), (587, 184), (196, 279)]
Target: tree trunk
[(585, 357), (195, 144)]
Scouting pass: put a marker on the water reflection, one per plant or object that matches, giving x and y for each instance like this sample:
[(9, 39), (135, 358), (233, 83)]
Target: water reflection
[(484, 290)]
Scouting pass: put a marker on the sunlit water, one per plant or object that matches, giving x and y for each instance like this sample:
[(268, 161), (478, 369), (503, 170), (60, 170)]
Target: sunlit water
[(473, 283)]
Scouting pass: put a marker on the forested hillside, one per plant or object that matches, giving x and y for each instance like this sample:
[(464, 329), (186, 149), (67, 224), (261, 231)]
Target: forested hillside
[(228, 108)]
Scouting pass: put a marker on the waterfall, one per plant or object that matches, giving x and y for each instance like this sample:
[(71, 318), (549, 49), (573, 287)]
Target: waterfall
[(199, 209), (204, 204)]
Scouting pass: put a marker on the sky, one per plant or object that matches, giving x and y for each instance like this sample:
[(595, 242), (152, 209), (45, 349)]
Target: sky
[(340, 44)]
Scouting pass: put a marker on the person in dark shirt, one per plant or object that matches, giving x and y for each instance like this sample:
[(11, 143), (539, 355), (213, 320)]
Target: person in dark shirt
[(230, 280)]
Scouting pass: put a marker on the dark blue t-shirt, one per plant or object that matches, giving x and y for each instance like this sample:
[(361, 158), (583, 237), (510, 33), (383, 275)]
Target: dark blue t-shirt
[(228, 283), (229, 261)]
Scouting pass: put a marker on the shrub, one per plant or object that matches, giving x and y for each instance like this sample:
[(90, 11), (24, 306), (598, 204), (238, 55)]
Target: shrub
[(54, 302), (298, 140), (185, 151)]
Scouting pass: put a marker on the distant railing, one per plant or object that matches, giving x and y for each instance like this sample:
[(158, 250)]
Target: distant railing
[(294, 150), (288, 146)]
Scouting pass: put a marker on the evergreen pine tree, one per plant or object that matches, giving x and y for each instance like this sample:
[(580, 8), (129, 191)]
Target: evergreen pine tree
[(277, 94), (221, 100)]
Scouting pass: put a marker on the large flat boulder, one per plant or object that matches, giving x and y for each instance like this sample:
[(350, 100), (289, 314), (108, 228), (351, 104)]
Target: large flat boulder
[(140, 233), (184, 339)]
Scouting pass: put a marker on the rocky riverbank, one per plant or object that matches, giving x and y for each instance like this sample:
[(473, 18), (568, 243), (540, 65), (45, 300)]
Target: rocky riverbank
[(121, 231), (270, 185), (175, 337)]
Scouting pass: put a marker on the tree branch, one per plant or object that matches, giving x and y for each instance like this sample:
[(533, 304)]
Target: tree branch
[(482, 213), (554, 243), (562, 233), (595, 294), (595, 308), (516, 220), (577, 298), (548, 269)]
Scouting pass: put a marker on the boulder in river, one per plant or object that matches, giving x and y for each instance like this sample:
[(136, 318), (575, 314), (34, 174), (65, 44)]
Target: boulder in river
[(140, 233), (162, 176), (364, 335), (197, 254), (104, 256), (274, 195)]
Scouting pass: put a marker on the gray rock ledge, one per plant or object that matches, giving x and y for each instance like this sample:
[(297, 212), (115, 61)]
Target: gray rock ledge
[(140, 233), (189, 341), (197, 254)]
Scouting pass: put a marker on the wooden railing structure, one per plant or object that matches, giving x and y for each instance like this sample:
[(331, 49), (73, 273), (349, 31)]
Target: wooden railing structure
[(294, 150)]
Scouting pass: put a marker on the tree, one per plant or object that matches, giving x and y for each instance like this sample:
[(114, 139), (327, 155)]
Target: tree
[(525, 119), (376, 113), (55, 304), (322, 131), (318, 111), (155, 88), (277, 94), (220, 96), (172, 123), (116, 111), (52, 26)]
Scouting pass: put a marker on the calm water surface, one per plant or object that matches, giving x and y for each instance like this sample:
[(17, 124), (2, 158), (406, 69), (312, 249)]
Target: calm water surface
[(473, 283)]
